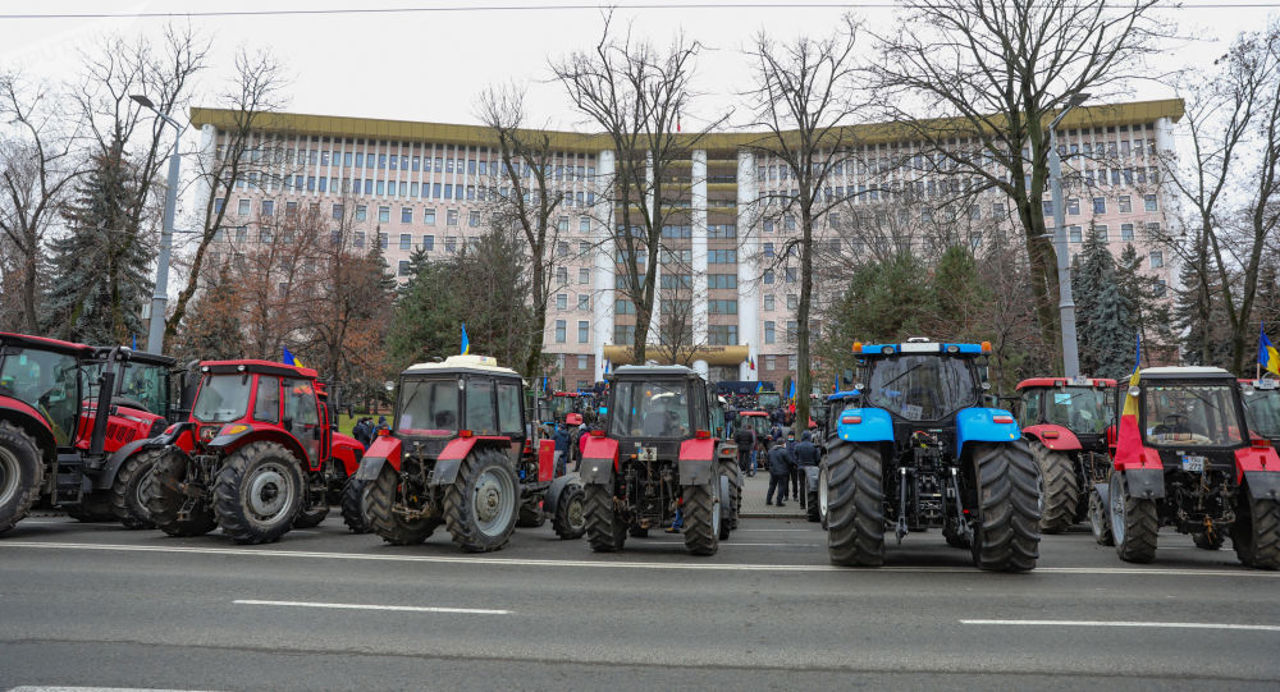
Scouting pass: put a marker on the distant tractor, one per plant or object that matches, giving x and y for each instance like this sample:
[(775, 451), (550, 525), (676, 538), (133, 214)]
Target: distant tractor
[(658, 455), (920, 451), (1262, 408), (1065, 422), (460, 453), (1184, 457), (256, 457), (54, 445)]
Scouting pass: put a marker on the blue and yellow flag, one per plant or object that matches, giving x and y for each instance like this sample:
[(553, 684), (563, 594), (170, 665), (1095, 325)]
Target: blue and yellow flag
[(466, 343), (1268, 356), (289, 359), (792, 395), (759, 387)]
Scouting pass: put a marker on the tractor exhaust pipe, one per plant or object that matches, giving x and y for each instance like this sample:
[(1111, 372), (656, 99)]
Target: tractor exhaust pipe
[(106, 391)]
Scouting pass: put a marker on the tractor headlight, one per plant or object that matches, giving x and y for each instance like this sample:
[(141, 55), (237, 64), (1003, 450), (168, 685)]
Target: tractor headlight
[(207, 433)]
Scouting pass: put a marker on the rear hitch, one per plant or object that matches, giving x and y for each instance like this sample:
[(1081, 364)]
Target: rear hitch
[(902, 529)]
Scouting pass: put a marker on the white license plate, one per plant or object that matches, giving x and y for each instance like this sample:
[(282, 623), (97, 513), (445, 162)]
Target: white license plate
[(1193, 464), (647, 454)]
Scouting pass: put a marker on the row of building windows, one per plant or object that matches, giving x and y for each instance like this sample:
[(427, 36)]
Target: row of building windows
[(584, 331), (1124, 204)]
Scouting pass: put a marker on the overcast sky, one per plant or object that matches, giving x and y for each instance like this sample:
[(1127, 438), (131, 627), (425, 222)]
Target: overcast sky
[(431, 65)]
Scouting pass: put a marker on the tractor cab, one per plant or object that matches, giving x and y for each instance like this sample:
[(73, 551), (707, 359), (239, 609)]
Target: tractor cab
[(769, 400), (1262, 408), (461, 397), (43, 387), (144, 381), (835, 404), (757, 421)]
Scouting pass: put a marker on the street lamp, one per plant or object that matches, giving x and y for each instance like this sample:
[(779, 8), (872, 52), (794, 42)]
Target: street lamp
[(1066, 304), (155, 335)]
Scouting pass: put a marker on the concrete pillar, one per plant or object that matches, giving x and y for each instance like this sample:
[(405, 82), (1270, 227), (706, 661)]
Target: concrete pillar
[(748, 275), (699, 234), (605, 261)]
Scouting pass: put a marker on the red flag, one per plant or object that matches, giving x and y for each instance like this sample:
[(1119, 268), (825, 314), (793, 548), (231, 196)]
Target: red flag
[(1129, 436)]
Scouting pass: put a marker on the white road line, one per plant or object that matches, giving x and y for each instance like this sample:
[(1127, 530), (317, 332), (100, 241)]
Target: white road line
[(1125, 623), (689, 565), (361, 606)]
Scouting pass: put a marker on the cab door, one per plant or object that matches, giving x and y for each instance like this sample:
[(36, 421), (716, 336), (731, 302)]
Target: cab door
[(302, 417)]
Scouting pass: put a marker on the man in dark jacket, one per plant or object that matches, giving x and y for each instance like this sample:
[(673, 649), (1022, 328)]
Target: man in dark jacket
[(745, 438), (781, 461), (806, 455)]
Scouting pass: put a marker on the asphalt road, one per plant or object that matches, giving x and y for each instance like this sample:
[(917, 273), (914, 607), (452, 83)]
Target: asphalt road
[(96, 605)]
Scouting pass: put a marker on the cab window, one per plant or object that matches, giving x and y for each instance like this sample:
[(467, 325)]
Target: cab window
[(300, 403), (480, 409), (509, 410), (1029, 410), (266, 403)]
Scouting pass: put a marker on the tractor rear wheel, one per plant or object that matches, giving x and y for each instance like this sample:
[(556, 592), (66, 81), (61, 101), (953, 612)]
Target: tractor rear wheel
[(21, 471), (129, 491), (1006, 521), (353, 506), (851, 486), (315, 506), (605, 530), (1134, 523), (258, 493), (822, 495), (702, 519), (1058, 487), (1256, 533), (311, 516), (570, 520), (93, 508), (481, 506), (166, 496), (734, 499), (378, 508), (531, 517), (1098, 520)]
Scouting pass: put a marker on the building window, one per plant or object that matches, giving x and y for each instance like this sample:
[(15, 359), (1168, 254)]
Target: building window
[(789, 222), (429, 216), (584, 224), (406, 241), (384, 214), (337, 212), (450, 244), (584, 276), (1075, 236), (793, 301), (562, 248), (722, 256), (382, 240), (769, 302), (624, 333), (1126, 231), (1126, 204), (791, 334), (218, 204), (791, 275), (562, 275), (406, 215), (1103, 233), (768, 276), (722, 307), (1099, 205), (1048, 207), (1073, 206), (771, 362), (404, 267), (1157, 259), (362, 212), (622, 306), (1149, 203), (770, 332), (242, 208), (584, 331), (1159, 289), (428, 242), (768, 250), (584, 301), (473, 219), (715, 281), (722, 335), (268, 207), (359, 241), (560, 331), (451, 217), (562, 301)]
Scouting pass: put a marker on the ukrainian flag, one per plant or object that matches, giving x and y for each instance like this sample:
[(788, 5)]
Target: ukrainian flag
[(1268, 356), (759, 387), (289, 358), (466, 343)]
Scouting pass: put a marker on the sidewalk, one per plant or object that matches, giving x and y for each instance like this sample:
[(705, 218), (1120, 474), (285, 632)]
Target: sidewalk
[(753, 505)]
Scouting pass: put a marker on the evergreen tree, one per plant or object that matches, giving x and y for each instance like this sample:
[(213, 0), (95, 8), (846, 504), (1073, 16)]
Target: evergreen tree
[(1105, 328), (1200, 320), (100, 268)]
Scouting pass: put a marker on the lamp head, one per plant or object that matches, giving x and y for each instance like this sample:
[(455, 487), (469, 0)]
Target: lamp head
[(143, 101)]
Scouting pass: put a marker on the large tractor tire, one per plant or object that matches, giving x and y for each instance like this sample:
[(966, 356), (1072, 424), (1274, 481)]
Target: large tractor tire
[(311, 516), (1099, 522), (93, 508), (1006, 535), (165, 499), (702, 518), (1134, 523), (21, 471), (1256, 533), (1059, 490), (733, 506), (570, 521), (481, 506), (855, 505), (530, 517), (379, 508), (823, 495), (353, 506), (130, 489), (606, 531), (258, 493)]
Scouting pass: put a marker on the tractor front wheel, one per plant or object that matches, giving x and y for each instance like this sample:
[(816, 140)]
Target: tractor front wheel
[(353, 506), (1058, 487), (21, 471), (851, 488), (702, 520), (166, 496), (315, 506), (379, 507), (570, 520), (1256, 533), (606, 531), (1098, 521), (1006, 522), (481, 506), (130, 489), (258, 493), (733, 501), (1134, 523)]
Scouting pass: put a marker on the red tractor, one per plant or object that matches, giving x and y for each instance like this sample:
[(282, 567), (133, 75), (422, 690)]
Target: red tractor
[(1184, 457), (1262, 408), (256, 457), (658, 458), (54, 446), (1065, 423), (460, 452)]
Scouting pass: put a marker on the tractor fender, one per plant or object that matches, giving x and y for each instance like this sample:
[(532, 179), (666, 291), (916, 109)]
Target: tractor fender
[(450, 460), (1145, 484), (979, 425), (872, 425), (810, 477), (599, 460), (552, 497), (1263, 484), (347, 451), (1256, 459), (229, 443), (1059, 438), (696, 461), (107, 477), (25, 416)]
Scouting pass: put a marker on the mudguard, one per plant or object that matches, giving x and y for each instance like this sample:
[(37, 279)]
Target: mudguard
[(1145, 484), (1060, 439), (32, 421), (384, 450), (1256, 459), (810, 477), (978, 425), (1263, 484), (696, 461), (229, 443), (107, 477), (599, 460), (347, 451), (552, 499), (874, 425), (547, 460)]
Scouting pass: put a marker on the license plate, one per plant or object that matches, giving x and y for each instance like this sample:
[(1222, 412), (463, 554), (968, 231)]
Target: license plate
[(647, 454), (1195, 464)]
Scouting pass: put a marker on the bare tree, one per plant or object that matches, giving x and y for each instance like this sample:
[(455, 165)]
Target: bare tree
[(803, 96), (991, 75), (636, 93), (255, 94), (37, 166), (522, 198)]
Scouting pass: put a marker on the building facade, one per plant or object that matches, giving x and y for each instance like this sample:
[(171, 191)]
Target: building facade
[(727, 277)]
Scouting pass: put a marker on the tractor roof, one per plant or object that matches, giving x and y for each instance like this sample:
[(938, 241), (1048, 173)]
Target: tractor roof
[(629, 371), (841, 396), (41, 343), (464, 363), (1185, 373), (137, 356), (921, 346), (261, 367), (1065, 382)]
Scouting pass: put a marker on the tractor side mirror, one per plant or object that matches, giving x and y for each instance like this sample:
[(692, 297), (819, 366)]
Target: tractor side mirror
[(847, 377)]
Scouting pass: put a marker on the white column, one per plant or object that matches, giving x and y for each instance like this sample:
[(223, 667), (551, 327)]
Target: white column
[(655, 316), (205, 163), (748, 277), (605, 261), (699, 231)]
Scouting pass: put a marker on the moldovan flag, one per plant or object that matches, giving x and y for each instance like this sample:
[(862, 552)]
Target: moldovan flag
[(466, 343), (1268, 356), (289, 359), (1129, 437)]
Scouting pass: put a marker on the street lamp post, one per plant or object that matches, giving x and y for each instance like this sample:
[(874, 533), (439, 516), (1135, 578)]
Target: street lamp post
[(1066, 303), (160, 298)]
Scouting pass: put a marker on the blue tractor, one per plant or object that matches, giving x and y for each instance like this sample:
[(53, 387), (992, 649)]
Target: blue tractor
[(920, 451)]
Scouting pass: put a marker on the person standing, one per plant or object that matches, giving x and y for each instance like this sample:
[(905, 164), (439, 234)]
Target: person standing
[(745, 438), (794, 475), (561, 437), (806, 455), (781, 460)]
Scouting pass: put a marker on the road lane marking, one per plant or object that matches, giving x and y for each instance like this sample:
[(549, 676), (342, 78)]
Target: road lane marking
[(1126, 623), (695, 566), (362, 606)]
